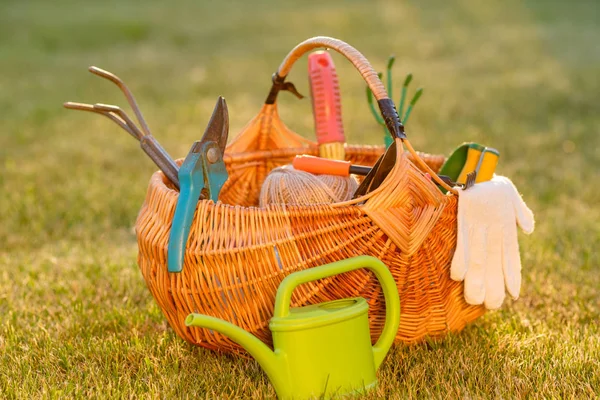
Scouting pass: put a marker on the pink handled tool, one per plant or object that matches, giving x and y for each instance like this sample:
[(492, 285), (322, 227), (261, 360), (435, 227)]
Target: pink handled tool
[(327, 105)]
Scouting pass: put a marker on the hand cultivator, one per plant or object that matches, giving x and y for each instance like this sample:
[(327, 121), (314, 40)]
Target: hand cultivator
[(147, 142)]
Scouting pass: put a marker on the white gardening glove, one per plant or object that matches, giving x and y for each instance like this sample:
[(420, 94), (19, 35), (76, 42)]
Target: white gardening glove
[(487, 250)]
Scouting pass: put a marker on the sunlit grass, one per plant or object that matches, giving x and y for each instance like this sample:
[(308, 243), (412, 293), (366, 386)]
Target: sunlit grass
[(77, 318)]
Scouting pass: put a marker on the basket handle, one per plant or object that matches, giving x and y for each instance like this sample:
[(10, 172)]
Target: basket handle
[(354, 56), (386, 105)]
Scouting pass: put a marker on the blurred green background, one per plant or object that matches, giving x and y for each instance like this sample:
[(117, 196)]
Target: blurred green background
[(77, 319)]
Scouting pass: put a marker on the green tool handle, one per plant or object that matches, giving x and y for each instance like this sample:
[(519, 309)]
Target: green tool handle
[(388, 284)]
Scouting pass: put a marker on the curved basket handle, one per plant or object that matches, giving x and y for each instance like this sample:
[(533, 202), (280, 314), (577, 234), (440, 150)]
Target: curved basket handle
[(383, 274), (386, 105), (354, 56)]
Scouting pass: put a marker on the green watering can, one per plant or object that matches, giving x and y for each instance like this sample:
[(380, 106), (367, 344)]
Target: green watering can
[(322, 349)]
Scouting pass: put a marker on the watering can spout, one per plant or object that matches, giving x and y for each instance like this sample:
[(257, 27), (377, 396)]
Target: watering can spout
[(272, 362)]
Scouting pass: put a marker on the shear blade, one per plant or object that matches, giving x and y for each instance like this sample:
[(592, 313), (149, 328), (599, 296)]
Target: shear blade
[(378, 173), (217, 129)]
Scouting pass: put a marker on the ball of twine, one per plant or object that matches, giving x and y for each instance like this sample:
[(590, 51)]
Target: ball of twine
[(286, 185)]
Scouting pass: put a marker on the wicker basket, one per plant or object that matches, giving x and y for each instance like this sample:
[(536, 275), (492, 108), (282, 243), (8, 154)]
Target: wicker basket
[(237, 253)]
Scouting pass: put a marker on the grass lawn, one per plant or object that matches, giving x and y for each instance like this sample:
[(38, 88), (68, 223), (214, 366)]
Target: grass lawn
[(76, 318)]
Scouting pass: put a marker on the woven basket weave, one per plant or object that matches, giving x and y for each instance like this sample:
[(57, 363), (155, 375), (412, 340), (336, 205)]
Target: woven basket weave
[(237, 253)]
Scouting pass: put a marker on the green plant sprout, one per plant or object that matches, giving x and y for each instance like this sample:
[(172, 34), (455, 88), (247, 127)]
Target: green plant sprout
[(404, 119)]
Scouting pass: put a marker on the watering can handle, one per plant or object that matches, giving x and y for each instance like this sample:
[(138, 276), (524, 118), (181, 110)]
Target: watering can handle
[(390, 291)]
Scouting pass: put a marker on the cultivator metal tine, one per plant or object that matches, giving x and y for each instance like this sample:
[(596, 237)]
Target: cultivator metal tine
[(130, 99), (115, 118), (147, 142), (115, 110)]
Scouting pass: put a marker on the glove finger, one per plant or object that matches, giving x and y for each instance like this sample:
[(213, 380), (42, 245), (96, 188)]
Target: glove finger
[(494, 277), (511, 262), (523, 214), (475, 276), (458, 268)]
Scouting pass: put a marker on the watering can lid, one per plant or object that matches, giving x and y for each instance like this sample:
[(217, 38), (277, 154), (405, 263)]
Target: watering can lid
[(316, 315)]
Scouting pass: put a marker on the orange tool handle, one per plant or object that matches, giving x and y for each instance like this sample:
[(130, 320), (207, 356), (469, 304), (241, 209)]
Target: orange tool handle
[(325, 90), (318, 165)]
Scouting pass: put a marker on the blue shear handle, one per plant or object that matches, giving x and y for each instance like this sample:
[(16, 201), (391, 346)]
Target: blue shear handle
[(191, 180)]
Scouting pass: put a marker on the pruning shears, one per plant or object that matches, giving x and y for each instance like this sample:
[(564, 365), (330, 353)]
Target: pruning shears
[(201, 177)]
